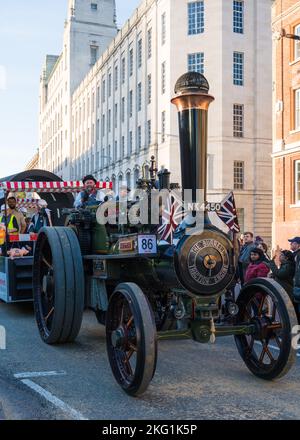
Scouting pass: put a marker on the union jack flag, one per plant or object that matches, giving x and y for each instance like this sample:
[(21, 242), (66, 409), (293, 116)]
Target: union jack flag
[(171, 218), (228, 213)]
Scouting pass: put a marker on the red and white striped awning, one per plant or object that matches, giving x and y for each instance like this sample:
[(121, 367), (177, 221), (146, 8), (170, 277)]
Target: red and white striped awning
[(49, 187)]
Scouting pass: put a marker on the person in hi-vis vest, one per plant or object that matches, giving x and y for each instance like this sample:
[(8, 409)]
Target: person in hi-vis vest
[(9, 221)]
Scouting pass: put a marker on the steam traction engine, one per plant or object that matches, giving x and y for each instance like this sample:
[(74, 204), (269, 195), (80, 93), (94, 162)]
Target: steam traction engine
[(144, 289)]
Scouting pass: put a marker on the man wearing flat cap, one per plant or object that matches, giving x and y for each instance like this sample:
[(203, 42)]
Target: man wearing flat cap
[(295, 248), (90, 196)]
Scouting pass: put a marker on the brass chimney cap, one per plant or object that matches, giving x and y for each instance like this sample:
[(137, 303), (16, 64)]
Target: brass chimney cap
[(191, 82)]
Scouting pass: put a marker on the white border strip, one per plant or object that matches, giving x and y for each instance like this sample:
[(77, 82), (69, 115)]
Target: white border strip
[(75, 415), (39, 374)]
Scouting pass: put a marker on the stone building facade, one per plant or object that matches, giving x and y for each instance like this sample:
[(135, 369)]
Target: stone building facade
[(114, 117)]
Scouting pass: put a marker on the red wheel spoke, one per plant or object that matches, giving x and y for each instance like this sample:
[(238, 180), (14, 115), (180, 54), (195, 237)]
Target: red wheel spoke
[(274, 311), (269, 353), (261, 305), (47, 263), (132, 347), (262, 355), (49, 314), (122, 315), (129, 322)]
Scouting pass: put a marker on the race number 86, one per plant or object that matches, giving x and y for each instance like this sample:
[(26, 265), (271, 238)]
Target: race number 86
[(147, 244)]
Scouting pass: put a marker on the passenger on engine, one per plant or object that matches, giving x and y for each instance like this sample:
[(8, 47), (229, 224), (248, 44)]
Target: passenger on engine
[(41, 218), (90, 196)]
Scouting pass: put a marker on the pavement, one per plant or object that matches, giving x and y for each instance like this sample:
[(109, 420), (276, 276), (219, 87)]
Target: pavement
[(74, 381)]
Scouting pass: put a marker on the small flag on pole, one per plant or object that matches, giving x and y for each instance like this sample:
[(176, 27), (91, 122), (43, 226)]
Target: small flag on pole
[(171, 218), (228, 213)]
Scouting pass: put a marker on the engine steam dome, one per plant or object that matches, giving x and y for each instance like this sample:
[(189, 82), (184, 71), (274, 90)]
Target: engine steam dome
[(204, 260)]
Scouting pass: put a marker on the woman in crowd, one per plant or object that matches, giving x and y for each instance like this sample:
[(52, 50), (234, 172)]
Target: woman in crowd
[(257, 267)]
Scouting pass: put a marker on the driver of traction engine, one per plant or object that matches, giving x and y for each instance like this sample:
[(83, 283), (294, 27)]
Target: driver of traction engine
[(90, 196)]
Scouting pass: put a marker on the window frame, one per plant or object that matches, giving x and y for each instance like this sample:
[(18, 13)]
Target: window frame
[(297, 181), (237, 132), (238, 19), (239, 180), (297, 43), (238, 72), (195, 62), (196, 18)]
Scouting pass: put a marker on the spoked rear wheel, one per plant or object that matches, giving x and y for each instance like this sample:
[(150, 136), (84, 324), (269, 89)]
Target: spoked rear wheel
[(131, 339), (268, 353)]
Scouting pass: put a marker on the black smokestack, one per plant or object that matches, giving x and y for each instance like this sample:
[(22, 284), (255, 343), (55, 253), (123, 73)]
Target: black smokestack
[(192, 101)]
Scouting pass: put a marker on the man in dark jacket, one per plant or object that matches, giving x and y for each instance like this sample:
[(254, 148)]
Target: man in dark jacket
[(244, 257), (295, 248)]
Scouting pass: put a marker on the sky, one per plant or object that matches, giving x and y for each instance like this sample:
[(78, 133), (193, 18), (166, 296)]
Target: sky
[(28, 31)]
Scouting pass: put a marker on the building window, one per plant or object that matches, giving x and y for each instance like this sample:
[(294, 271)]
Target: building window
[(163, 127), (196, 62), (238, 68), (109, 121), (163, 29), (123, 70), (115, 151), (139, 97), (238, 17), (116, 116), (116, 78), (297, 182), (297, 43), (130, 143), (238, 174), (149, 46), (122, 147), (109, 85), (98, 97), (103, 125), (123, 110), (139, 138), (94, 54), (238, 120), (98, 129), (103, 90), (140, 53), (195, 18), (130, 104), (94, 6), (131, 62), (163, 78), (297, 109), (149, 89), (149, 132)]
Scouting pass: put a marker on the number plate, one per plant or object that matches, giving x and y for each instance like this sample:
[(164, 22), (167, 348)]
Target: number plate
[(147, 244)]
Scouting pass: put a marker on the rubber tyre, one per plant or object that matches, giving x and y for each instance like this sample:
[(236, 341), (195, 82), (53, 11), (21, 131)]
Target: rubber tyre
[(68, 279)]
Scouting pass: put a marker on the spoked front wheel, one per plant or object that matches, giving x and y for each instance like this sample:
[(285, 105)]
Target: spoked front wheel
[(131, 339), (268, 352)]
